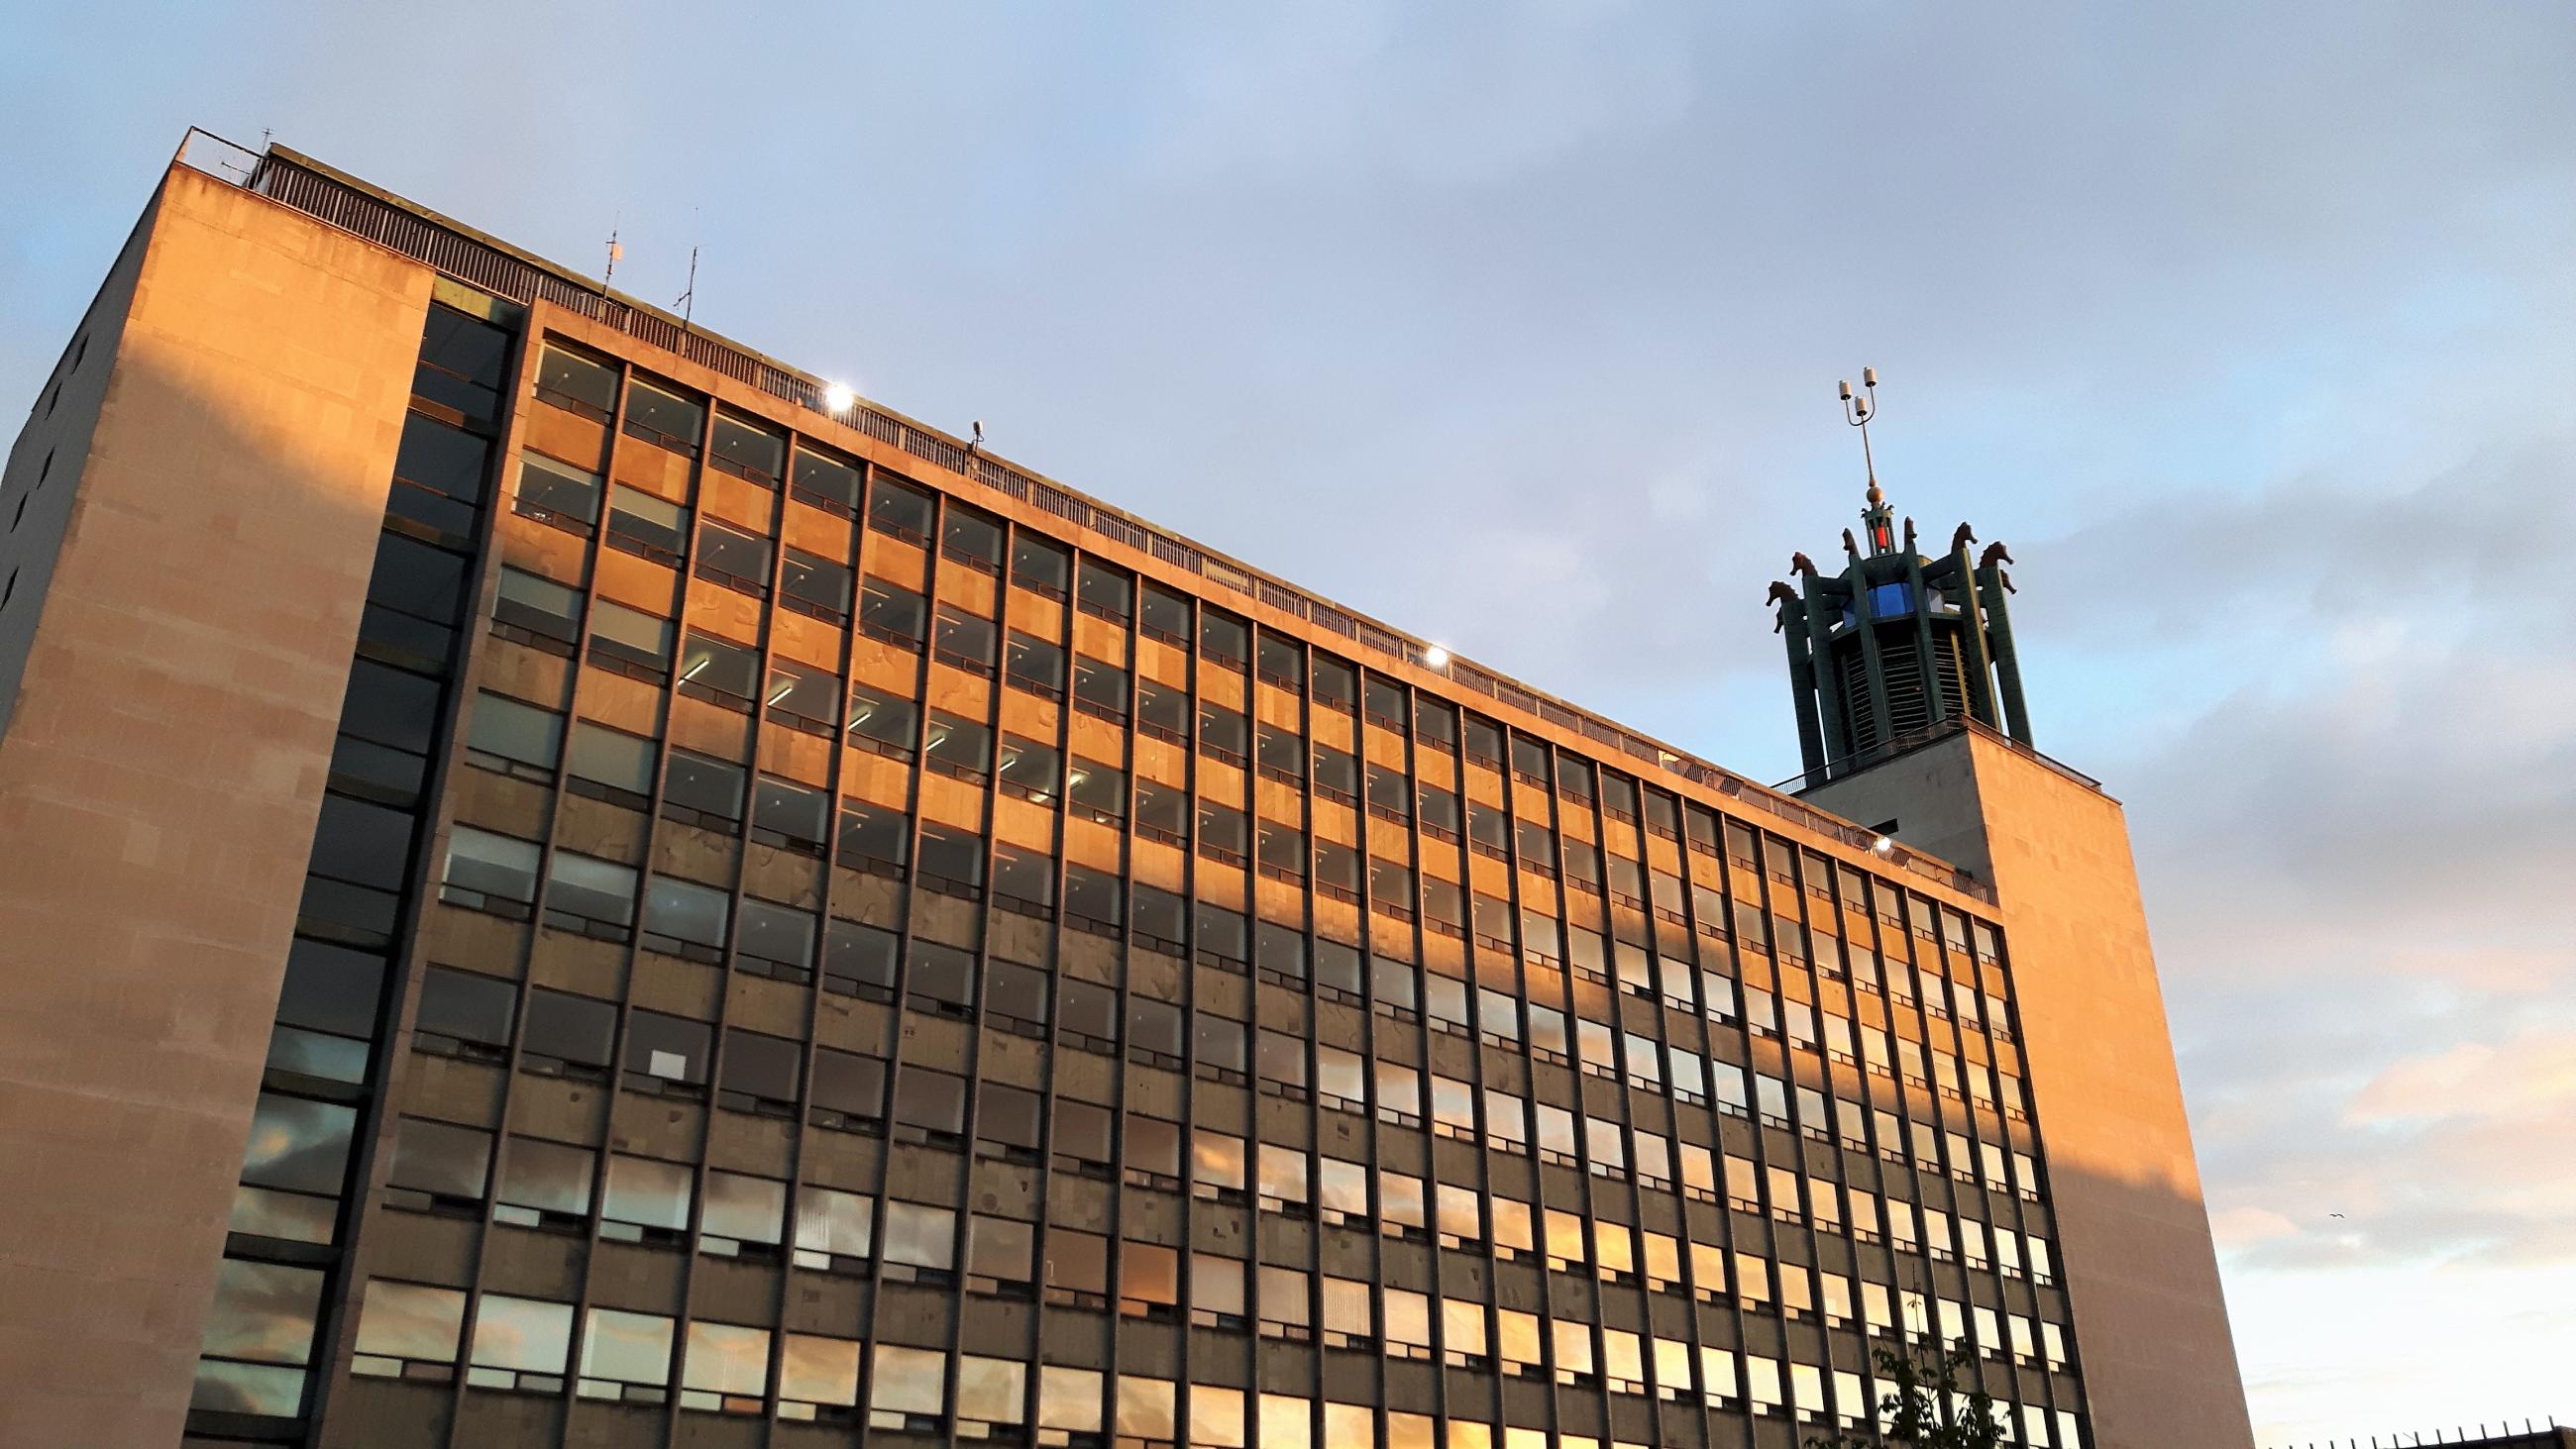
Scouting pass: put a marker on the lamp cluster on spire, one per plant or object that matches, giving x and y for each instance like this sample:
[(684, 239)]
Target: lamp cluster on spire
[(1897, 647)]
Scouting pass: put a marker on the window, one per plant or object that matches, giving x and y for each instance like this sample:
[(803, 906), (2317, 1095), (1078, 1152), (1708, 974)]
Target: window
[(1098, 790), (833, 1229), (942, 980), (744, 1216), (326, 1009), (1384, 700), (688, 918), (640, 642), (661, 415), (892, 613), (1163, 711), (920, 1241), (874, 839), (1336, 682), (1030, 770), (883, 722), (640, 523), (1434, 722), (720, 670), (958, 746), (963, 639), (729, 556), (646, 1201), (801, 696), (438, 475), (1099, 689), (557, 492), (1224, 638), (1001, 1258), (538, 606), (1039, 566), (566, 1035), (897, 507), (520, 1343), (779, 939), (545, 1184), (859, 960), (625, 1355), (1165, 615), (951, 861), (614, 766), (465, 1011), (931, 1105), (575, 382), (1093, 899), (1007, 1125), (700, 790), (1036, 665), (725, 1368), (663, 1048), (590, 895), (848, 1090), (514, 737), (487, 871), (1282, 662), (1105, 591), (792, 815), (972, 539), (812, 584), (445, 1163), (826, 480), (748, 450), (1224, 733), (405, 1323)]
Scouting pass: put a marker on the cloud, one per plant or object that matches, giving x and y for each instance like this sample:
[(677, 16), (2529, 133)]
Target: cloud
[(2531, 1078)]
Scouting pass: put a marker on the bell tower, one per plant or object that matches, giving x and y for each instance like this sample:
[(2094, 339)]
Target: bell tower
[(1910, 717), (1897, 646)]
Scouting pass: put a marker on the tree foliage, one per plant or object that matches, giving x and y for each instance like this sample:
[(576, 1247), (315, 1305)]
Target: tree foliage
[(1925, 1406)]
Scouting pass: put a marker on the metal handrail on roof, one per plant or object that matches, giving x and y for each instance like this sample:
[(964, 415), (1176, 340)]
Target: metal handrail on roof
[(1844, 766), (343, 201)]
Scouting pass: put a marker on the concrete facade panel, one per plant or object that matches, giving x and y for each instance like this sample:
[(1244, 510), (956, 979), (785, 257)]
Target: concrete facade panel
[(160, 777)]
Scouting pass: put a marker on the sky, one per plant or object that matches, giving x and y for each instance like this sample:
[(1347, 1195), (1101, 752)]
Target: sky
[(2247, 327)]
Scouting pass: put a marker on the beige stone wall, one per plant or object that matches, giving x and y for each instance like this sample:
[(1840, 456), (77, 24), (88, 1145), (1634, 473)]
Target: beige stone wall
[(2135, 1254), (160, 777)]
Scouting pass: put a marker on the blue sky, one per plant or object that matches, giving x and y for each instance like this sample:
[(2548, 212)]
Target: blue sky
[(2246, 327)]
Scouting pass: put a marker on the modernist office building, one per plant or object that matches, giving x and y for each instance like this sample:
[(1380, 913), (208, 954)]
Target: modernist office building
[(568, 884)]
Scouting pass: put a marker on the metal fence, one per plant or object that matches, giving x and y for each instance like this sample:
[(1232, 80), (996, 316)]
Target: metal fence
[(2533, 1434)]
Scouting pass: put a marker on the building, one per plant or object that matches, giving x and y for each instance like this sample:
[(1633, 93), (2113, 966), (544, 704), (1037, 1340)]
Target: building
[(568, 883)]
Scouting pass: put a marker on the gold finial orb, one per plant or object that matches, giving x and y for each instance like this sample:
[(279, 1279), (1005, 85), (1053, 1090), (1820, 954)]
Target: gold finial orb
[(1875, 496)]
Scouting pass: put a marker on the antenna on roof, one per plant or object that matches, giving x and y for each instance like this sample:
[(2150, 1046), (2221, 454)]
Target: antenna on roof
[(688, 299), (1857, 411), (616, 253)]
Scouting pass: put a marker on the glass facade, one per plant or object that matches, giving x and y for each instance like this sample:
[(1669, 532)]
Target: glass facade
[(825, 956)]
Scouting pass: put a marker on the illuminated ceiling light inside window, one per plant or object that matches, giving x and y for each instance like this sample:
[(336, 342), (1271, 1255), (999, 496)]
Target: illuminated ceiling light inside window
[(837, 397), (1435, 657)]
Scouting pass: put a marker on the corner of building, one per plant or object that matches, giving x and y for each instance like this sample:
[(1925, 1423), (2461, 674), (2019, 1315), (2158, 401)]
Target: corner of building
[(170, 728), (2159, 1360)]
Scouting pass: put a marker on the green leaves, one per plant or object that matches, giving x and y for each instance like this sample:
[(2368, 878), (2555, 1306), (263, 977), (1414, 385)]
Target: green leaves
[(1924, 1406)]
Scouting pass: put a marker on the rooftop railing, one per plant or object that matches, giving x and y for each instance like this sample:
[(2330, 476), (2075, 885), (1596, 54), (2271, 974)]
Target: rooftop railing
[(1842, 767), (308, 186)]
